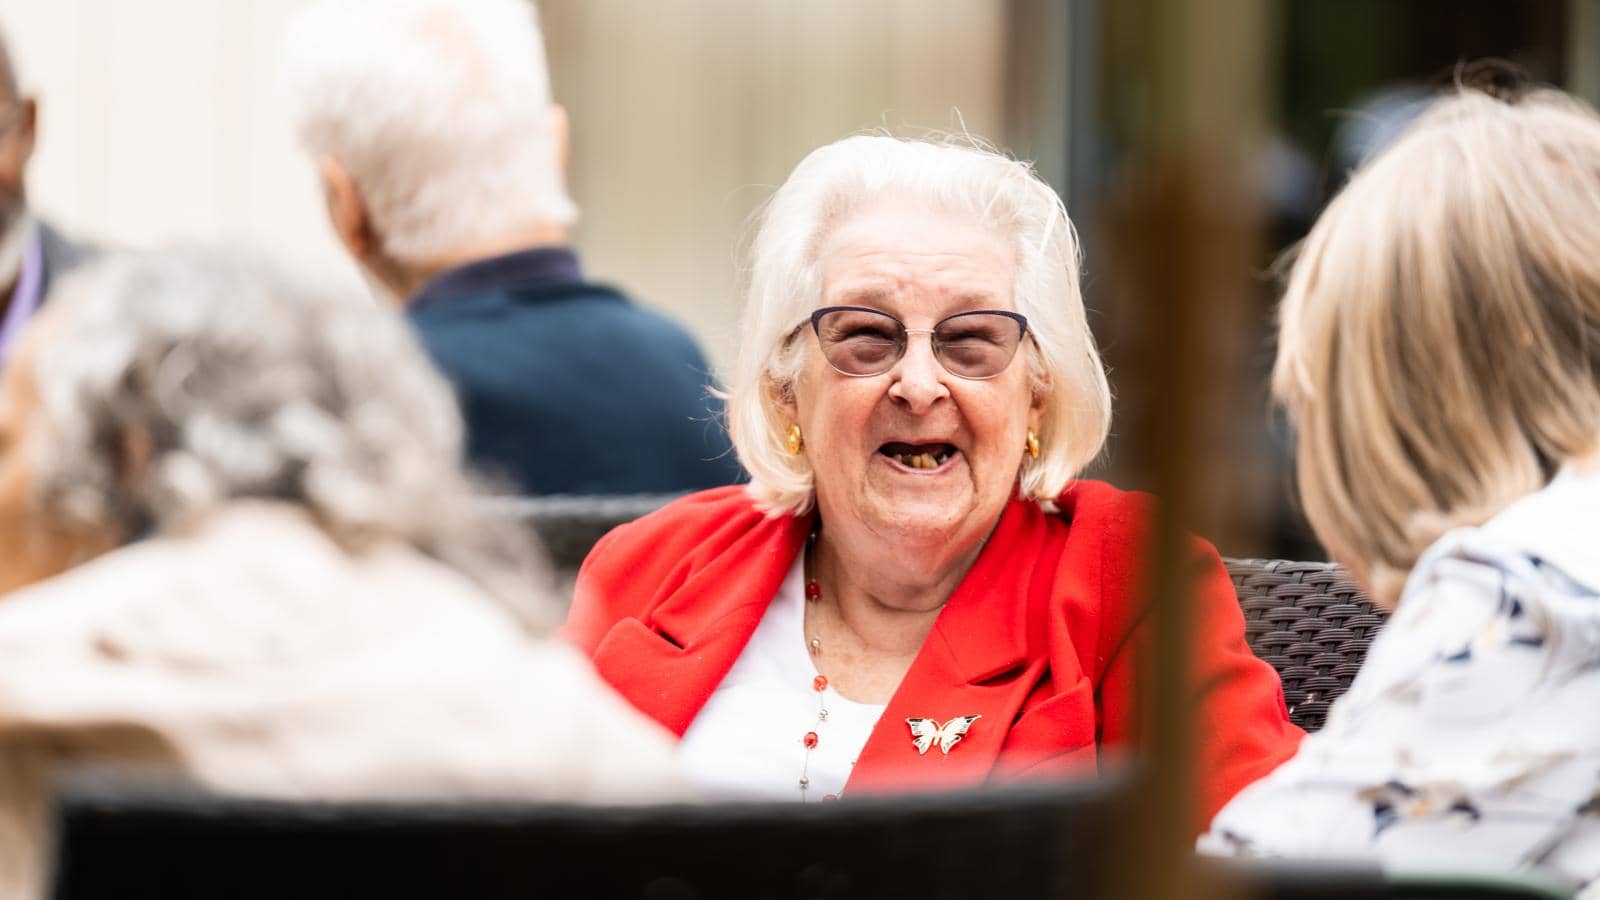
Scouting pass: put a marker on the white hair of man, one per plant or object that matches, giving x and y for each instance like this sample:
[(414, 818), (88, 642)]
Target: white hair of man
[(975, 182), (439, 110), (172, 384)]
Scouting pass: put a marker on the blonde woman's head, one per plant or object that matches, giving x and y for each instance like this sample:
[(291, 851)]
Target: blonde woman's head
[(1440, 338)]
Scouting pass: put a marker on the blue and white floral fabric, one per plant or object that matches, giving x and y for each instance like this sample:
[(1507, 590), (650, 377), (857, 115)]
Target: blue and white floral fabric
[(1471, 737)]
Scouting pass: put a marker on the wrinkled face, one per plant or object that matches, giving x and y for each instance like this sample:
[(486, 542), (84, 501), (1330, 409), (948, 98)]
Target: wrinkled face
[(915, 455)]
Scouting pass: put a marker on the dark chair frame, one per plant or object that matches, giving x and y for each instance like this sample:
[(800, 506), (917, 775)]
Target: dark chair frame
[(133, 840)]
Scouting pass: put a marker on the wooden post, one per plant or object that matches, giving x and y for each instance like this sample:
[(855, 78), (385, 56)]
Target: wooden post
[(1184, 91)]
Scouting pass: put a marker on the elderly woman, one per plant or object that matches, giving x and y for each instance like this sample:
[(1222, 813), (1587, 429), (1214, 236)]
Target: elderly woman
[(1440, 355), (284, 586), (912, 591)]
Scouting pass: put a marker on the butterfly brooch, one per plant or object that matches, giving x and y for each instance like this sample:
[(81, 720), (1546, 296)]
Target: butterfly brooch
[(925, 732)]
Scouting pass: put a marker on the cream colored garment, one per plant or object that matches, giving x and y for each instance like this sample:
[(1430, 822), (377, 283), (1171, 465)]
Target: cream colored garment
[(1469, 740), (262, 659)]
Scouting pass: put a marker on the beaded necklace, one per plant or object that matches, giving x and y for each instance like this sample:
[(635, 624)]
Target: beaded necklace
[(819, 684)]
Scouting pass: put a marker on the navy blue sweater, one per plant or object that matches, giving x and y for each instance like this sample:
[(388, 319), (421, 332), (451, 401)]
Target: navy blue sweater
[(569, 387)]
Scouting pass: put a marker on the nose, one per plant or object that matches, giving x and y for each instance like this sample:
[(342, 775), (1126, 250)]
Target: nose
[(919, 379)]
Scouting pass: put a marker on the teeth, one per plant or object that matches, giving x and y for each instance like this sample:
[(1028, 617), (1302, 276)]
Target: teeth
[(922, 460)]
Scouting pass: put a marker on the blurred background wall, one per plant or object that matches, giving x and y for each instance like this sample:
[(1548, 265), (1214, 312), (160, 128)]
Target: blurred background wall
[(161, 120)]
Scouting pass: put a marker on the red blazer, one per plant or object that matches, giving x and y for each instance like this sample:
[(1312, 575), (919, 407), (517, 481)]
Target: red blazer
[(1038, 639)]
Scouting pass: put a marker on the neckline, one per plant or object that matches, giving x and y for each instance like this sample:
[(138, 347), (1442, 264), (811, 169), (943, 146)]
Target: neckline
[(795, 661), (546, 265)]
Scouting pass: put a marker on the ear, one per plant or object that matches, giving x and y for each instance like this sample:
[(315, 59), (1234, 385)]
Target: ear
[(781, 397), (1039, 399), (27, 126), (560, 137), (347, 211), (26, 130)]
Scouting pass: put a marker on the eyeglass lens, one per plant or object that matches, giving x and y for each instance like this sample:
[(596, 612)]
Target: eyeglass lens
[(976, 344)]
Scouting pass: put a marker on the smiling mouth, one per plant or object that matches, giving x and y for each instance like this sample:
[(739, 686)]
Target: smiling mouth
[(918, 456)]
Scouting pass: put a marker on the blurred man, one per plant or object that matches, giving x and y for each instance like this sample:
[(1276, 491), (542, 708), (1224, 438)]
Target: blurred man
[(32, 254), (442, 159)]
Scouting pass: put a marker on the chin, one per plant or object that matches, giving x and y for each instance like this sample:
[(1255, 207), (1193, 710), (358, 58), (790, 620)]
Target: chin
[(924, 519)]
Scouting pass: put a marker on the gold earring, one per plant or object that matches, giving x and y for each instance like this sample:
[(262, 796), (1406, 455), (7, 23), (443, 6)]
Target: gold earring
[(1033, 444), (796, 442)]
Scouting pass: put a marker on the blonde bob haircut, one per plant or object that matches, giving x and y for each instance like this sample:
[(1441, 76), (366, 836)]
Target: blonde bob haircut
[(1440, 337), (785, 286)]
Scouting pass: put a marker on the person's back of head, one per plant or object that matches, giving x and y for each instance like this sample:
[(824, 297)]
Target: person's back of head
[(438, 115), (160, 388), (1440, 338)]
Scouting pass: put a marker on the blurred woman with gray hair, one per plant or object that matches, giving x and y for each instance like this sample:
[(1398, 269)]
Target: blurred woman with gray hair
[(242, 548)]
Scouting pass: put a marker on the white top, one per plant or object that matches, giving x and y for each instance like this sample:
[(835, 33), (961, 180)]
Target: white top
[(1471, 736), (749, 740)]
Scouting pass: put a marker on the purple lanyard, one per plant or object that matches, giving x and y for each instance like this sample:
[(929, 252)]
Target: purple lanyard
[(25, 298)]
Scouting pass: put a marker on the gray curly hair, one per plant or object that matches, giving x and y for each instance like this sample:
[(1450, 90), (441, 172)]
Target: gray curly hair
[(249, 384)]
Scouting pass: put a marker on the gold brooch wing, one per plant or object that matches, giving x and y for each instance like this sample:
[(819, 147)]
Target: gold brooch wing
[(927, 732)]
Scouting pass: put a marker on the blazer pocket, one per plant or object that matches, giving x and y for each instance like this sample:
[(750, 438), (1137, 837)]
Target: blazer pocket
[(1054, 737), (630, 647), (652, 672)]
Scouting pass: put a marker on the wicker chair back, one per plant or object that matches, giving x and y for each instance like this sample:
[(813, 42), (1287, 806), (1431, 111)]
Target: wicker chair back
[(1311, 622)]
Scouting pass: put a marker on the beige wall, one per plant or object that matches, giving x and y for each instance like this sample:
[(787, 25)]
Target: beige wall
[(161, 120)]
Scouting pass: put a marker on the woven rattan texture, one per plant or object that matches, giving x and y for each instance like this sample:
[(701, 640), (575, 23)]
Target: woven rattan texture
[(1311, 622)]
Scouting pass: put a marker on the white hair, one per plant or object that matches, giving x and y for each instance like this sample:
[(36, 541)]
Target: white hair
[(440, 112), (248, 385), (974, 182)]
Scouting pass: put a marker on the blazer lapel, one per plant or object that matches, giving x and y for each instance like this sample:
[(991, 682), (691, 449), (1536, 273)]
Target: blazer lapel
[(670, 661), (975, 662)]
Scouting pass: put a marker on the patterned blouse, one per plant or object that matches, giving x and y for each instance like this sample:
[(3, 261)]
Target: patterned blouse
[(1470, 740)]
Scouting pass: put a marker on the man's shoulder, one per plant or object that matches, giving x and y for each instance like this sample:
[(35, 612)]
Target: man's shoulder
[(521, 294), (61, 252), (620, 313), (586, 309), (565, 292)]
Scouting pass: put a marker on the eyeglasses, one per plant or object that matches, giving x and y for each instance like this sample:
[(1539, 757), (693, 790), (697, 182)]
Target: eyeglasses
[(860, 342)]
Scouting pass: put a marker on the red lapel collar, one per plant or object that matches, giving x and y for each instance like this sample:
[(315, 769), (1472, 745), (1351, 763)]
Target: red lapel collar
[(669, 663), (975, 662)]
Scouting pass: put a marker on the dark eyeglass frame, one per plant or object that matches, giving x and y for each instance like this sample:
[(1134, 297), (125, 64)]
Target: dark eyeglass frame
[(904, 342)]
